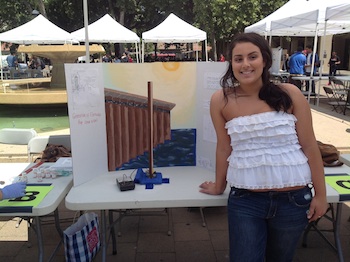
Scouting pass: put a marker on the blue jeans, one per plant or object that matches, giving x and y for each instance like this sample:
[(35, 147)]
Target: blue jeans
[(266, 226), (308, 84)]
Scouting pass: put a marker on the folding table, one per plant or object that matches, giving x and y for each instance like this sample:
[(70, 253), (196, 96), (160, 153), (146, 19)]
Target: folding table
[(315, 79), (50, 203), (345, 158), (182, 191)]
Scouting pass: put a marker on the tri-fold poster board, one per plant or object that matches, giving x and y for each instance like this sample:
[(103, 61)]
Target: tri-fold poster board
[(188, 85)]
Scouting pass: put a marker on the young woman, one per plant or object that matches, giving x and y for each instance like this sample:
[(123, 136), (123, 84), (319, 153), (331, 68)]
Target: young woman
[(333, 64), (267, 152)]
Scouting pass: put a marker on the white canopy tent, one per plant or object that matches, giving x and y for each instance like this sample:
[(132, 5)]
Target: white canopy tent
[(174, 30), (331, 20), (339, 12), (316, 18), (337, 15), (107, 30), (37, 31), (299, 10)]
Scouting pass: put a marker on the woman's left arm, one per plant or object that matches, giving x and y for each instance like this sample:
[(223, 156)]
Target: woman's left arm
[(307, 140)]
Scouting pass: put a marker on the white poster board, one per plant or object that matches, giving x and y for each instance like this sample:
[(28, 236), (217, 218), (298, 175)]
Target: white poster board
[(87, 119), (276, 60), (208, 81)]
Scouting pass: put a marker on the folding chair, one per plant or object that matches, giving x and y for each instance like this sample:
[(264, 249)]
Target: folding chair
[(339, 88), (334, 100), (347, 104), (36, 146), (338, 84), (16, 136), (343, 91), (63, 140)]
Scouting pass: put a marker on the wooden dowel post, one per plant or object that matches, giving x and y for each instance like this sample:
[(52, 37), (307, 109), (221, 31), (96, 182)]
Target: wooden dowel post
[(150, 117)]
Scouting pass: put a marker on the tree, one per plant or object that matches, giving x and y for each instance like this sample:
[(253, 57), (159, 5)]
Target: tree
[(221, 19), (15, 13), (42, 8)]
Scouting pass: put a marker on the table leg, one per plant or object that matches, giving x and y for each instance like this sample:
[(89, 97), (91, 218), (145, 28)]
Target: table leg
[(40, 238), (112, 231), (318, 92), (335, 219), (103, 235), (59, 231), (309, 91), (336, 232)]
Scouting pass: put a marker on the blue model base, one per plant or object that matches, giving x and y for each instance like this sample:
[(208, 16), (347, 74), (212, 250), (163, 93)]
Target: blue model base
[(142, 178)]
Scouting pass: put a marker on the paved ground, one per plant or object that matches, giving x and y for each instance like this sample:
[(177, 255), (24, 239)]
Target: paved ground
[(144, 238)]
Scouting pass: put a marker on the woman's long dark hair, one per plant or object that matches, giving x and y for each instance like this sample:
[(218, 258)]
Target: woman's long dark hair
[(274, 96)]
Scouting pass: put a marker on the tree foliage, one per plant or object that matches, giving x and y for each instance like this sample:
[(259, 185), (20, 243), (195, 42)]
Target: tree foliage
[(221, 19), (15, 13)]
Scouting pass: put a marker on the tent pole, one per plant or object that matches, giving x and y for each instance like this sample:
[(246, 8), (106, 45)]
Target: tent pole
[(137, 53), (139, 46), (143, 51), (324, 45), (320, 71), (206, 50), (2, 72), (197, 53), (313, 66), (86, 24)]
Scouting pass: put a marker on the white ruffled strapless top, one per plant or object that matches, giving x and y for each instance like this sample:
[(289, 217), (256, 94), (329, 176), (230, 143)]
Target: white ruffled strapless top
[(266, 153)]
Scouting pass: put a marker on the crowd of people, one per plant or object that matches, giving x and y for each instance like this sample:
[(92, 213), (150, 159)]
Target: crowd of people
[(300, 63), (33, 61), (20, 66), (36, 62), (125, 58)]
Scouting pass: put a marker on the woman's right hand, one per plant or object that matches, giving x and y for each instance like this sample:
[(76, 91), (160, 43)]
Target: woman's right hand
[(209, 188)]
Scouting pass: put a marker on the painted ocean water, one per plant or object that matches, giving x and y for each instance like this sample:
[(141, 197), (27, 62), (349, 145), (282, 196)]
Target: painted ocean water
[(179, 151)]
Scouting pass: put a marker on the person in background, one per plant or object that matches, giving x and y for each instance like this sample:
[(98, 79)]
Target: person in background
[(116, 59), (267, 152), (285, 65), (13, 191), (296, 66), (12, 60), (222, 58), (124, 58), (309, 54), (34, 63), (130, 60), (333, 63), (106, 58)]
